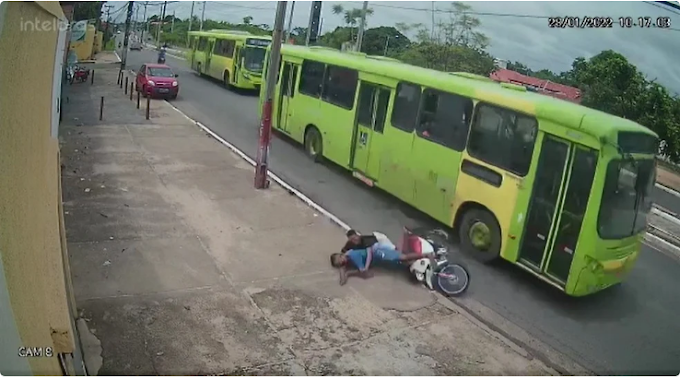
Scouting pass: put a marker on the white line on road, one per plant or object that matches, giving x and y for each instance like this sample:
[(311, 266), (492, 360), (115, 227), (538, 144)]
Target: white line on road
[(117, 56), (668, 190), (273, 176)]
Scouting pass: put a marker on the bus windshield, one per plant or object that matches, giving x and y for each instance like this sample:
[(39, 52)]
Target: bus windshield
[(254, 59), (626, 199)]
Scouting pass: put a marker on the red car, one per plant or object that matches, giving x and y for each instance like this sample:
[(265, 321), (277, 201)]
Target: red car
[(157, 80)]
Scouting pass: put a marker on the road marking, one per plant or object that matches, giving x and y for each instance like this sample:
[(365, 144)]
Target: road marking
[(273, 176), (668, 190), (117, 56)]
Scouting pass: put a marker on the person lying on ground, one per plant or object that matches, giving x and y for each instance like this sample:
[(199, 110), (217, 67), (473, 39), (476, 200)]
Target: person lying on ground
[(358, 261), (358, 241)]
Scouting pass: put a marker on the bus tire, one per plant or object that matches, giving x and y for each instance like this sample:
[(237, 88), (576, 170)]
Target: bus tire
[(313, 144), (225, 80), (480, 235)]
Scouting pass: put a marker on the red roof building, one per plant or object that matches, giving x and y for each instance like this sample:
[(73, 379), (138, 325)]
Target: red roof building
[(541, 86)]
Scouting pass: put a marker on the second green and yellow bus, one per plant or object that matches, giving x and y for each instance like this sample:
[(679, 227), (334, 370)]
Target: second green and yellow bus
[(559, 189), (236, 58)]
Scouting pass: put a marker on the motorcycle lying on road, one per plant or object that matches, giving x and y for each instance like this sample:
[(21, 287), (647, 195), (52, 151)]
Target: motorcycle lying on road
[(440, 274)]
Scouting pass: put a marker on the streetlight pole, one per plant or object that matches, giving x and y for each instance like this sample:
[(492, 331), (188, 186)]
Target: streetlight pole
[(313, 28), (262, 161), (126, 38), (160, 25), (146, 24), (202, 16), (172, 26), (191, 18), (290, 20), (362, 25)]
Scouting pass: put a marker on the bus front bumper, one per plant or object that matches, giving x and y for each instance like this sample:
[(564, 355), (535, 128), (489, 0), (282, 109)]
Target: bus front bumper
[(598, 275)]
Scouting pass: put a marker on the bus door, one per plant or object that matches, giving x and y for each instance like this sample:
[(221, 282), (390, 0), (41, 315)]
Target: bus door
[(208, 56), (560, 194), (192, 46), (368, 129), (237, 63), (286, 94)]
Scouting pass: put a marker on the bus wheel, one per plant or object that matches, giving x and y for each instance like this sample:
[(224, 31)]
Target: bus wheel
[(480, 235), (314, 144), (225, 80)]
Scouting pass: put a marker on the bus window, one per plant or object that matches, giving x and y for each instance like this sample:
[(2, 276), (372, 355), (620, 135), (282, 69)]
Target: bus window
[(372, 114), (339, 86), (406, 105), (311, 78), (503, 138), (224, 48), (288, 82), (445, 118), (202, 43)]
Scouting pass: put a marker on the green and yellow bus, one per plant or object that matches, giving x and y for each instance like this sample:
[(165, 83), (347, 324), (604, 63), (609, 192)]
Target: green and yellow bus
[(556, 188), (236, 58)]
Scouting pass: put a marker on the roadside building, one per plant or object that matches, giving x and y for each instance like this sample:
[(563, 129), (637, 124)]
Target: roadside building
[(37, 308), (541, 86)]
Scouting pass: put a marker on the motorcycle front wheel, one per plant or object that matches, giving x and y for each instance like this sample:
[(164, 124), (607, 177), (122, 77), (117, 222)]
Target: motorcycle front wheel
[(452, 280)]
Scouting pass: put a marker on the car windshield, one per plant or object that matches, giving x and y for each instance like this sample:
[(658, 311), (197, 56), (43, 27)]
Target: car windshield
[(626, 198), (162, 72), (254, 59)]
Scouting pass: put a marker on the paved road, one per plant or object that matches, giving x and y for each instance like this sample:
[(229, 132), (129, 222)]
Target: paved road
[(630, 329)]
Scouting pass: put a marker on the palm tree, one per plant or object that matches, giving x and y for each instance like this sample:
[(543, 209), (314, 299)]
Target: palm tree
[(350, 16)]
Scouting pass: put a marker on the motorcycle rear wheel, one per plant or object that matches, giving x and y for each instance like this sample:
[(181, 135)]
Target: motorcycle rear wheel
[(452, 280)]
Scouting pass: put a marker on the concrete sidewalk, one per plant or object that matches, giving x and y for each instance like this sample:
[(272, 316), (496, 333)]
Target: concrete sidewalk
[(180, 267)]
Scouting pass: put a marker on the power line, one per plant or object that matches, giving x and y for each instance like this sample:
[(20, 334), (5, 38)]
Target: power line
[(515, 15)]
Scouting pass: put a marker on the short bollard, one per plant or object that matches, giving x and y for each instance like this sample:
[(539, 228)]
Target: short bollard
[(119, 81), (101, 108), (92, 78), (132, 87), (138, 92), (148, 105), (126, 84)]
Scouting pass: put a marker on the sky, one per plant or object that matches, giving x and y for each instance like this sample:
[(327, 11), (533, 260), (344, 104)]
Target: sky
[(656, 52)]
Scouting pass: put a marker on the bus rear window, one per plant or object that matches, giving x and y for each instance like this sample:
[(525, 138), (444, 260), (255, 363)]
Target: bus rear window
[(626, 198)]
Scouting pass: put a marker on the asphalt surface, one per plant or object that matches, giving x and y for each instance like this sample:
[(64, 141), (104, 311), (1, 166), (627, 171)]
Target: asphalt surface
[(631, 329)]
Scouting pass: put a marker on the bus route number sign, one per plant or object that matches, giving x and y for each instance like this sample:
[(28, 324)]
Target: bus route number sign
[(257, 42)]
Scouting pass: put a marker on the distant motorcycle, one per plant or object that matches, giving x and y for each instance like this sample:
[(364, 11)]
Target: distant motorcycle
[(161, 56)]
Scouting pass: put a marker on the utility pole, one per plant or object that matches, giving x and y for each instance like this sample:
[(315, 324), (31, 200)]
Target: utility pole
[(191, 18), (126, 38), (290, 20), (146, 23), (172, 26), (262, 162), (160, 25), (202, 16), (432, 27), (362, 26), (313, 28), (108, 21)]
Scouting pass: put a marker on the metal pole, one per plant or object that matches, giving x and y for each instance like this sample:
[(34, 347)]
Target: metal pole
[(313, 27), (160, 25), (132, 87), (148, 105), (146, 24), (191, 18), (290, 20), (126, 38), (362, 25), (126, 85), (101, 108), (92, 78), (172, 26), (138, 94), (262, 161), (202, 16)]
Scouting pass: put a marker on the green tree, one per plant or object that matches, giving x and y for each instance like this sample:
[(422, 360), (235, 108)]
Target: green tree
[(247, 20), (351, 18), (87, 10), (384, 40)]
